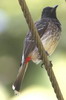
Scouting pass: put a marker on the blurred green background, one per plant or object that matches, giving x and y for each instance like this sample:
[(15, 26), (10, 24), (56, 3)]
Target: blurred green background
[(13, 29)]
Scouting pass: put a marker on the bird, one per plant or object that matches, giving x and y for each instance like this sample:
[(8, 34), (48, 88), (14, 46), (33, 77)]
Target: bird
[(49, 30)]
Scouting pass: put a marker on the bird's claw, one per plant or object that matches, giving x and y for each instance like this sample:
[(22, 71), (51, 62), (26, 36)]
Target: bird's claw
[(42, 65), (50, 64)]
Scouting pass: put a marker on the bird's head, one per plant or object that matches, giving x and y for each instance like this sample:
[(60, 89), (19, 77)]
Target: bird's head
[(49, 12)]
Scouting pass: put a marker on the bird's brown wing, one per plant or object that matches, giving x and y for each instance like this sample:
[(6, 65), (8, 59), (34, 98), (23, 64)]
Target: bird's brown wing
[(29, 43)]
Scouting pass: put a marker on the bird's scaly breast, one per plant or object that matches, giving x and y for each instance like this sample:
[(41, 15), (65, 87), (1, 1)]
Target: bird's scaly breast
[(49, 40)]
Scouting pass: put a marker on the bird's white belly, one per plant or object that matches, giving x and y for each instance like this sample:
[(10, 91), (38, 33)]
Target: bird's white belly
[(49, 44)]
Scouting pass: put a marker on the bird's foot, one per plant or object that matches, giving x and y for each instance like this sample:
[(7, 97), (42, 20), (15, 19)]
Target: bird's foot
[(50, 64), (42, 65)]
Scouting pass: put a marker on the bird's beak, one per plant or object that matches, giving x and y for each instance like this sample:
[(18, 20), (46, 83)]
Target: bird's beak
[(54, 8)]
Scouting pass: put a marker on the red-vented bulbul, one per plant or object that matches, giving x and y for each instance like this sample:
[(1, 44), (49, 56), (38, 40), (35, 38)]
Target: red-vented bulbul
[(49, 29)]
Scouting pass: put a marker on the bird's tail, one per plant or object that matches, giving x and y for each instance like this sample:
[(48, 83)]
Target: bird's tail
[(20, 76)]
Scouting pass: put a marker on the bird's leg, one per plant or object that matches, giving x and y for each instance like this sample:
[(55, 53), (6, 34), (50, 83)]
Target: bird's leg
[(43, 62)]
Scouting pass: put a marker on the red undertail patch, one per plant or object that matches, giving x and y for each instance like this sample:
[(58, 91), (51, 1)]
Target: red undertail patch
[(27, 60)]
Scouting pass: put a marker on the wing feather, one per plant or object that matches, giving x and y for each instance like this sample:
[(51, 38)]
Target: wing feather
[(29, 42)]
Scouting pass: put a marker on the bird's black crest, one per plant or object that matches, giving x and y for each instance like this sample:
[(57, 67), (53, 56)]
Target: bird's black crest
[(49, 12)]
